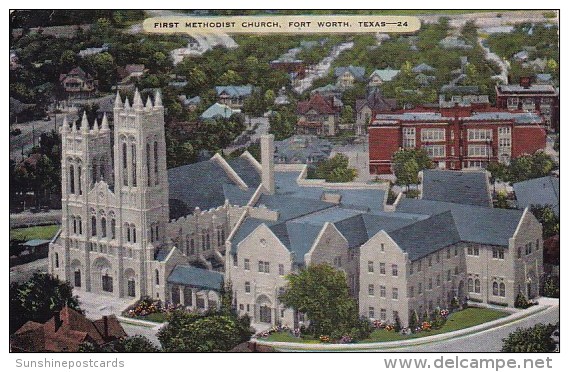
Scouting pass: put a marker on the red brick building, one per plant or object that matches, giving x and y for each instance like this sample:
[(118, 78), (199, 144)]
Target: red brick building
[(455, 137), (541, 98)]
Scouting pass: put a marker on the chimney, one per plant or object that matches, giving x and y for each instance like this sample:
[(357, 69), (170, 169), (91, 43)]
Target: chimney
[(57, 320), (268, 162), (105, 327), (525, 82)]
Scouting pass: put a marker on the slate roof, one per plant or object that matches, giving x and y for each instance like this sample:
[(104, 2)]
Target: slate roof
[(215, 185), (494, 226), (386, 74), (376, 102), (462, 187), (543, 77), (422, 68), (317, 103), (299, 148), (162, 253), (427, 236), (357, 72), (517, 88), (218, 110), (543, 190), (234, 90), (195, 277)]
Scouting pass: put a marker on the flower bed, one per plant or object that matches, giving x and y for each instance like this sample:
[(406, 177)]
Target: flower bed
[(151, 310)]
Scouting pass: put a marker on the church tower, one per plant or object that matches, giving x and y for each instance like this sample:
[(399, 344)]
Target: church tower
[(140, 184)]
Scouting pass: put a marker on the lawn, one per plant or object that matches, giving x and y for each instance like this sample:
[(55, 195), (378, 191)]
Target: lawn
[(37, 232), (154, 317), (461, 319)]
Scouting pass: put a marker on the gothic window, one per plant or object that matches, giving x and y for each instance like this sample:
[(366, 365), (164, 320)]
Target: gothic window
[(80, 226), (93, 226), (152, 233), (103, 227), (113, 226), (74, 224), (124, 165), (470, 285), (495, 288), (157, 276), (156, 163), (79, 185), (477, 286), (133, 163), (208, 243), (71, 179), (133, 233), (157, 227), (102, 163), (94, 171), (127, 231), (148, 165), (502, 290)]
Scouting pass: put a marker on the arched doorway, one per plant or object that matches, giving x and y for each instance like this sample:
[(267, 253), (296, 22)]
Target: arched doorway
[(531, 284), (76, 270), (460, 294), (129, 276), (103, 274), (265, 309)]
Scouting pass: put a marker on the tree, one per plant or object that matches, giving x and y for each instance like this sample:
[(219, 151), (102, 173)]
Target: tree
[(321, 292), (527, 167), (229, 77), (226, 295), (407, 163), (191, 332), (282, 123), (133, 344), (547, 218), (334, 170), (536, 339), (501, 200), (38, 298), (347, 115), (551, 287), (104, 67)]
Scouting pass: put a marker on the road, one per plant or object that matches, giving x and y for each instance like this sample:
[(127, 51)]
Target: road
[(502, 63), (486, 341)]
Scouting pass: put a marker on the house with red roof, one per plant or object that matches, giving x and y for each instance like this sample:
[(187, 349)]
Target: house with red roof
[(65, 331), (319, 115), (77, 83)]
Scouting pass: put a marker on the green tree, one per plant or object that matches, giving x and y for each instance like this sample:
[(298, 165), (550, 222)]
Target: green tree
[(536, 339), (407, 163), (547, 218), (282, 123), (190, 332), (551, 287), (38, 298), (501, 200), (104, 67), (229, 77), (321, 292), (347, 115), (133, 344), (335, 169)]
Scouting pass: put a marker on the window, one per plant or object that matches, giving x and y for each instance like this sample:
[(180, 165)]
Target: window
[(113, 228), (449, 276), (408, 138), (133, 229), (80, 225), (382, 291), (419, 288), (477, 285), (338, 261), (148, 165), (382, 268), (435, 151), (235, 260), (448, 253), (71, 179), (455, 251), (370, 290), (470, 285), (479, 134), (411, 291), (419, 266), (133, 163), (383, 314), (528, 248), (502, 290), (473, 251), (124, 165), (371, 312), (156, 179), (394, 270), (432, 134), (498, 253), (430, 261), (74, 225), (264, 267), (281, 269), (495, 290), (456, 270), (93, 226), (247, 287), (79, 185), (382, 247), (395, 293), (438, 280), (103, 227), (480, 150), (411, 268), (537, 244), (370, 266), (513, 102), (246, 264), (157, 276), (56, 260)]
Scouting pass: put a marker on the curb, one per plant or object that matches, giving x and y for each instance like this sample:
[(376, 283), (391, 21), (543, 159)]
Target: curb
[(139, 322), (387, 345)]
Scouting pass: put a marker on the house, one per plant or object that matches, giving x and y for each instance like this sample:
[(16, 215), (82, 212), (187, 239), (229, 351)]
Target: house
[(454, 42), (218, 110), (347, 76), (318, 115), (130, 73), (65, 332), (537, 64), (379, 77), (543, 78), (233, 95), (455, 136), (424, 80), (78, 84), (189, 103), (541, 98), (538, 191), (521, 56), (302, 149), (329, 90), (423, 68), (365, 109)]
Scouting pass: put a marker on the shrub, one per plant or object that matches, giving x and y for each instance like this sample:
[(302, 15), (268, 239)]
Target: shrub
[(534, 339), (521, 302), (551, 287)]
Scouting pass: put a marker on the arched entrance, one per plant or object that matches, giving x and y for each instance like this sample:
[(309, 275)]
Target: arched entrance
[(265, 309), (129, 276), (76, 272), (460, 293), (103, 274), (531, 284)]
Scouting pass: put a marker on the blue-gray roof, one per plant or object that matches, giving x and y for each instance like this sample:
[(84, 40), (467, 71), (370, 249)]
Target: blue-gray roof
[(215, 186), (196, 277), (35, 242), (386, 75), (422, 68), (538, 191), (462, 187), (218, 110), (493, 226), (162, 253), (357, 72), (302, 149), (234, 90), (427, 236)]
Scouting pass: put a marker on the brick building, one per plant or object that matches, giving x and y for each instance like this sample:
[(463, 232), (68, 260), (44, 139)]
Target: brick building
[(455, 136), (542, 98)]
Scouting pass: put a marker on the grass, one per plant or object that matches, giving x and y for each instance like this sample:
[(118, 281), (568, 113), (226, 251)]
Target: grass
[(154, 317), (467, 318), (37, 232)]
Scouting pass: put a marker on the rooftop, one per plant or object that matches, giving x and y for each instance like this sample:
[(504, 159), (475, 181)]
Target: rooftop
[(462, 187), (538, 191)]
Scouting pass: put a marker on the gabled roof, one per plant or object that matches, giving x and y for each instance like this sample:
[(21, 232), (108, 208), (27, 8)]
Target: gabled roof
[(542, 191), (422, 68), (376, 102), (386, 74), (316, 103), (234, 90), (196, 277), (462, 187), (218, 110), (357, 72)]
